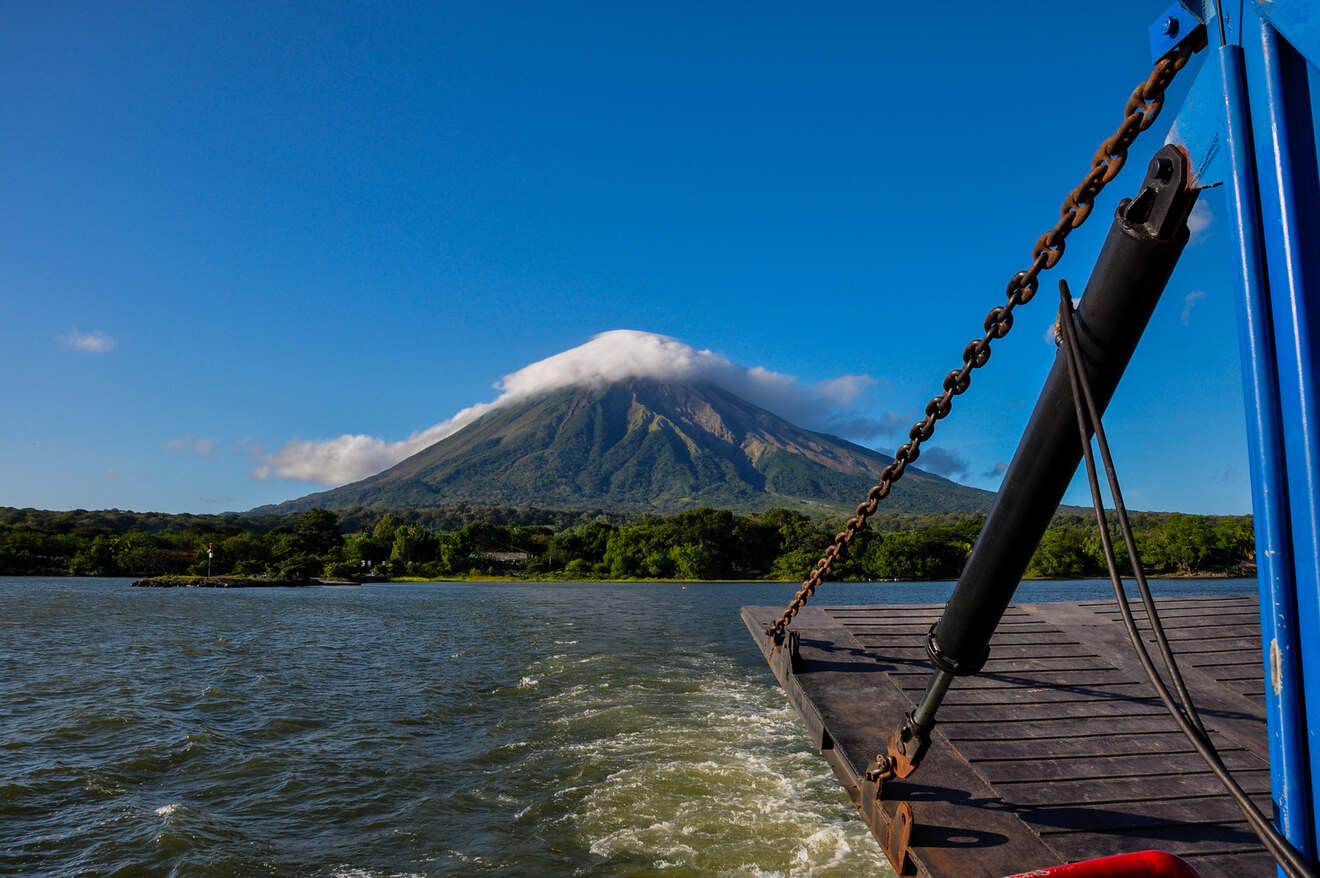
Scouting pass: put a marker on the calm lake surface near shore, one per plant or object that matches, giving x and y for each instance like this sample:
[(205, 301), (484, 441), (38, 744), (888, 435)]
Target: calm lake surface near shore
[(508, 729)]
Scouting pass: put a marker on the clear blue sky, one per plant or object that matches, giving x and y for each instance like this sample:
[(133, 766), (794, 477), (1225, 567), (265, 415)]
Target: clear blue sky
[(231, 226)]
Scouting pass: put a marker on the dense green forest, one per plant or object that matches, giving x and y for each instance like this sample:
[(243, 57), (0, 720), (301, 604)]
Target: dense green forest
[(526, 543)]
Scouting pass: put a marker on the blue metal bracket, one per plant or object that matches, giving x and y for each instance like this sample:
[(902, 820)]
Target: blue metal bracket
[(1174, 26), (1199, 127)]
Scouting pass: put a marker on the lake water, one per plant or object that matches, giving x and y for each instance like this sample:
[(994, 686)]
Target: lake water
[(507, 729)]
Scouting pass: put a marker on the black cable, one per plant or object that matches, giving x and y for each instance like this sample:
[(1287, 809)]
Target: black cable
[(1278, 847), (1125, 527), (1283, 852)]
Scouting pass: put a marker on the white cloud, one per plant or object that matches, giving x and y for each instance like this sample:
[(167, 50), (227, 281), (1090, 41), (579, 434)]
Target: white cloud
[(609, 357), (95, 342), (1189, 302), (205, 447), (1198, 224)]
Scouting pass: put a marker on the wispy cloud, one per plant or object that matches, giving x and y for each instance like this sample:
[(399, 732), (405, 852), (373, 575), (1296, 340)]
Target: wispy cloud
[(1198, 224), (95, 342), (249, 447), (868, 427), (1189, 302), (997, 471), (608, 357), (942, 461), (205, 447)]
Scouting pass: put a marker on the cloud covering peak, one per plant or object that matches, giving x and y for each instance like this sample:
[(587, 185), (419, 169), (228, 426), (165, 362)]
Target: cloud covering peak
[(617, 355)]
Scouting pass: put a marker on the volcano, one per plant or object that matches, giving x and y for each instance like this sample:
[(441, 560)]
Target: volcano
[(647, 446)]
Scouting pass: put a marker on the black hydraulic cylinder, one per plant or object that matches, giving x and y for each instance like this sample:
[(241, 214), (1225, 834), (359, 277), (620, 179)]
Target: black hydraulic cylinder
[(1148, 234)]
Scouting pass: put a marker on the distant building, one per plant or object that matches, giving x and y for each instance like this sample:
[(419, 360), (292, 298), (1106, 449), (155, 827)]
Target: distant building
[(505, 557)]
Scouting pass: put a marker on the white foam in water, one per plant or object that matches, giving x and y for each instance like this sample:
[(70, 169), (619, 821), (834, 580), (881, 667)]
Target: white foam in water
[(728, 782), (465, 857), (167, 810)]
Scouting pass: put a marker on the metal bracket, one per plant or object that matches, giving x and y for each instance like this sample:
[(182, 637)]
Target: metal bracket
[(907, 744), (880, 770), (1175, 26), (794, 654), (789, 641), (898, 838)]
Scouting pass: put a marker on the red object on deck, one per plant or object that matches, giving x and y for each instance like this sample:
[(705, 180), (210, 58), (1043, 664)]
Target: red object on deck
[(1142, 864)]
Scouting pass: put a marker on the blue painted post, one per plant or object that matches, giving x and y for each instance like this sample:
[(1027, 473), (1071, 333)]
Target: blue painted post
[(1278, 613), (1289, 199)]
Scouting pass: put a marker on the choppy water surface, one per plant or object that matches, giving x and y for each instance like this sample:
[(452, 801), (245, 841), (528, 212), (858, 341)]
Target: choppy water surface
[(428, 729)]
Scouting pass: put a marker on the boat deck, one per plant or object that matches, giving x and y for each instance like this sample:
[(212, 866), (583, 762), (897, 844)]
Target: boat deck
[(1057, 751)]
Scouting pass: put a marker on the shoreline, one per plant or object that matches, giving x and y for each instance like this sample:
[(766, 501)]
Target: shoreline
[(515, 578), (225, 581), (231, 582)]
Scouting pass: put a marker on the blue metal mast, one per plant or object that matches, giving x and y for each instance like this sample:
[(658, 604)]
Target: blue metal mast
[(1248, 122)]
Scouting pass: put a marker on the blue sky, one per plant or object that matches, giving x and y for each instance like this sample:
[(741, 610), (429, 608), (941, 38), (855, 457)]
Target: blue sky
[(232, 227)]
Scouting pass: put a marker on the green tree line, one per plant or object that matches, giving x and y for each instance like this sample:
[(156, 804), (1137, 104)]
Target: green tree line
[(699, 544)]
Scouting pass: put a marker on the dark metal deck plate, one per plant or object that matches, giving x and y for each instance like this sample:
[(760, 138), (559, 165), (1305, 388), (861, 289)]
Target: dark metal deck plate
[(1058, 751)]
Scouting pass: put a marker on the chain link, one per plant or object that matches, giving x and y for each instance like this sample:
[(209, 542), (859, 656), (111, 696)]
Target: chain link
[(1140, 112)]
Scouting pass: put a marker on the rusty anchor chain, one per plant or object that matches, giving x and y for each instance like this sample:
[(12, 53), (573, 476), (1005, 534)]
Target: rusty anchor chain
[(1139, 113)]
